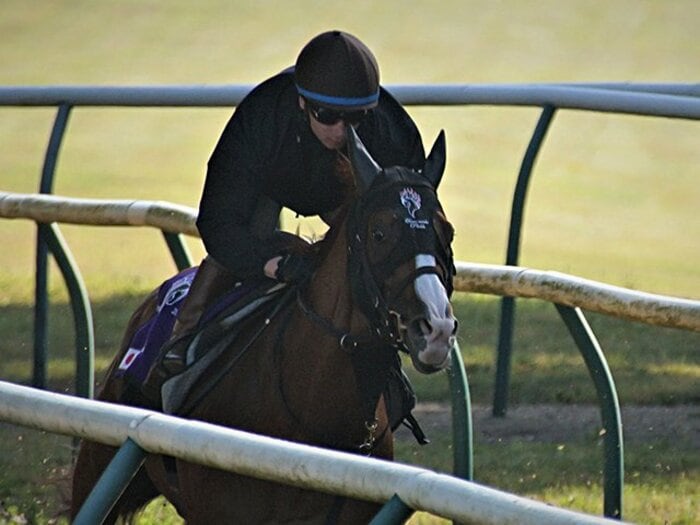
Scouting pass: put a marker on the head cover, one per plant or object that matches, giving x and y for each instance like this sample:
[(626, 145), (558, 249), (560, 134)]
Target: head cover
[(336, 70)]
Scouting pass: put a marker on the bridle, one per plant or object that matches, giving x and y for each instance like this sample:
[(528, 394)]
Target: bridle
[(385, 325), (363, 275)]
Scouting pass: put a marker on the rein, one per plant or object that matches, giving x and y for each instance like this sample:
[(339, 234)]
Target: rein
[(281, 304), (348, 342)]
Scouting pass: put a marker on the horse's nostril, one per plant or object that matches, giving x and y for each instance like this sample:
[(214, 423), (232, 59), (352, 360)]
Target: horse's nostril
[(421, 327), (456, 325)]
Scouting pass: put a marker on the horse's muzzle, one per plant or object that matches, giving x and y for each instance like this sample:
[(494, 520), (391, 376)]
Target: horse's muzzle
[(431, 343)]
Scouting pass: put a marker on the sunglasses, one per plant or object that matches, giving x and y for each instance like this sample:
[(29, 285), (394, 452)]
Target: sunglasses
[(328, 117)]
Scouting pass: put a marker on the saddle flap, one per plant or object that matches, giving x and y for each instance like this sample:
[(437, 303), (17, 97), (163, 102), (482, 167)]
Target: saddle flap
[(148, 339)]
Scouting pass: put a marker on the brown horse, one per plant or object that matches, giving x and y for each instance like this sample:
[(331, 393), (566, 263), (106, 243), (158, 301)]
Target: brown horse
[(316, 373)]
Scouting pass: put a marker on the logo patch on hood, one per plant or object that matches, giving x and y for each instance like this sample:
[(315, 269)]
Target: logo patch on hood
[(410, 199)]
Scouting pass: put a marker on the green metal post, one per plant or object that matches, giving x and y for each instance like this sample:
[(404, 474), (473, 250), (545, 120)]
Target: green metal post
[(178, 250), (82, 312), (41, 308), (505, 333), (462, 430), (41, 300), (114, 480), (613, 472), (393, 512)]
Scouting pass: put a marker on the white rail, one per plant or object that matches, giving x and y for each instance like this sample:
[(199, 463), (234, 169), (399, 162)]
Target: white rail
[(569, 290), (99, 212), (276, 460), (513, 281), (661, 100)]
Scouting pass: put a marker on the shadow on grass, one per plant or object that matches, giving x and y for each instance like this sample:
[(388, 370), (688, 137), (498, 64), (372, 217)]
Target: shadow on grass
[(110, 317), (650, 365)]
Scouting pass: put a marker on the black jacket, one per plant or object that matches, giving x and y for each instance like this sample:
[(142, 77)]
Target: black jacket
[(267, 158)]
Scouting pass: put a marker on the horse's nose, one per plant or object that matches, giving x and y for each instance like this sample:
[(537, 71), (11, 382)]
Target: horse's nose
[(435, 330), (441, 330), (439, 337)]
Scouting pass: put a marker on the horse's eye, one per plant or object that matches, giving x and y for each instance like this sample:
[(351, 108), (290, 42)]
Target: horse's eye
[(377, 235)]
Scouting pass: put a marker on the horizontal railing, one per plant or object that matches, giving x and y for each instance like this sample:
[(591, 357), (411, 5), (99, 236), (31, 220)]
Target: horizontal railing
[(276, 460), (512, 281), (661, 100)]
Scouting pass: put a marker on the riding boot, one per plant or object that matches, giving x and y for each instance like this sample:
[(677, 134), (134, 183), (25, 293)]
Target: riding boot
[(210, 283)]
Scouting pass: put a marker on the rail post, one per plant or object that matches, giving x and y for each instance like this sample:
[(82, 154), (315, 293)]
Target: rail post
[(613, 470), (505, 333), (41, 300), (112, 484)]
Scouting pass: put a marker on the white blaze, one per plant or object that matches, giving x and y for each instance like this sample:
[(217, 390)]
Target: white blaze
[(430, 289), (439, 334)]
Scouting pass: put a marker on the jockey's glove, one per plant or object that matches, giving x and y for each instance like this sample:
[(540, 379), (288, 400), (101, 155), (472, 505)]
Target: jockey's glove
[(294, 268)]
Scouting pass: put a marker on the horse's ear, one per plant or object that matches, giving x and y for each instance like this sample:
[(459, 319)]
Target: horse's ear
[(435, 163), (365, 167)]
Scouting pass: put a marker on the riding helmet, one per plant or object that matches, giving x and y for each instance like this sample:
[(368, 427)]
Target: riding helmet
[(336, 70)]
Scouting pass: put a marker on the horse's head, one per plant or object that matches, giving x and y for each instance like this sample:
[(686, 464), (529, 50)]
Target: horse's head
[(400, 255)]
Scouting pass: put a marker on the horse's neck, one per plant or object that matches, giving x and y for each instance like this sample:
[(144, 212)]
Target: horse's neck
[(329, 292), (325, 385)]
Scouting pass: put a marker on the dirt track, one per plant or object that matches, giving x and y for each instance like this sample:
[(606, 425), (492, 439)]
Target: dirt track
[(559, 423)]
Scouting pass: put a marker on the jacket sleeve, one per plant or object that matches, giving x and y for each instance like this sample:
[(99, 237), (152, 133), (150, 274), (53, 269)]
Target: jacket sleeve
[(232, 204)]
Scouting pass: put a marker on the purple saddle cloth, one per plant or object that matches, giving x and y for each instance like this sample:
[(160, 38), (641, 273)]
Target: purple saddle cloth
[(150, 336)]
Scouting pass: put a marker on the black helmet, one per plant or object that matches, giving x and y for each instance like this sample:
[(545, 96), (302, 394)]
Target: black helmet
[(337, 71)]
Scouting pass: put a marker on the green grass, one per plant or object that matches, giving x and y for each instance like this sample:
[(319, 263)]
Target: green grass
[(32, 477), (613, 198), (568, 475), (662, 479), (650, 365)]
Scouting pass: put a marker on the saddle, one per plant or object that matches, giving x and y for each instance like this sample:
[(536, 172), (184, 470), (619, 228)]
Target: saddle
[(217, 328)]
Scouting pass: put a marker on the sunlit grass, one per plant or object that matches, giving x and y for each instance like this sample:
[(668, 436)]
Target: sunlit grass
[(662, 482)]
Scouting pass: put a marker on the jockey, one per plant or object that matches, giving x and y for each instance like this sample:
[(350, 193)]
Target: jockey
[(285, 146)]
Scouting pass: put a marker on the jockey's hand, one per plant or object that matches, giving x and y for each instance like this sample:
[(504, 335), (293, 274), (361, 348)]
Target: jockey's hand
[(294, 268)]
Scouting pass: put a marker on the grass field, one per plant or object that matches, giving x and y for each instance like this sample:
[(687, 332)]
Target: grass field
[(614, 198)]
